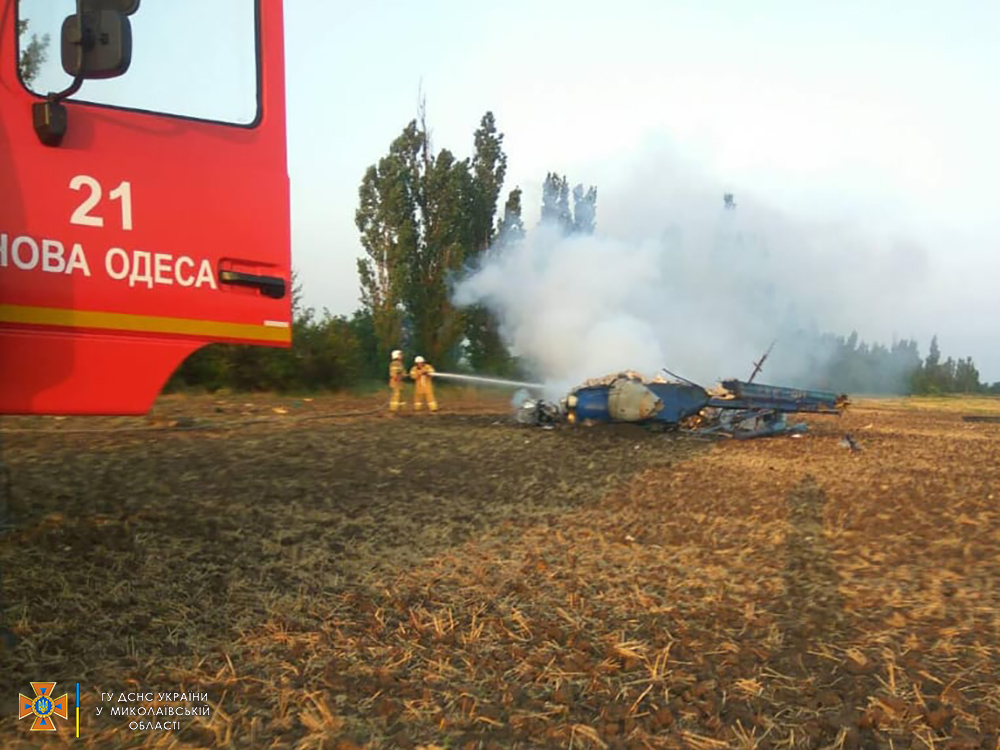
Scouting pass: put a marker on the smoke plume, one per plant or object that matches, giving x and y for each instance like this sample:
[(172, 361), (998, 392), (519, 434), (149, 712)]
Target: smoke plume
[(673, 278)]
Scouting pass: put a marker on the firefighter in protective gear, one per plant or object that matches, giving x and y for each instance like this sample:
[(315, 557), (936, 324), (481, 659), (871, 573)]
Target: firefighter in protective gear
[(397, 372), (421, 373)]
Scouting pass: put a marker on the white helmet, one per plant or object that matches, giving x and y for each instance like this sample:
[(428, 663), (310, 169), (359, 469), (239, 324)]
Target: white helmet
[(419, 360), (396, 354)]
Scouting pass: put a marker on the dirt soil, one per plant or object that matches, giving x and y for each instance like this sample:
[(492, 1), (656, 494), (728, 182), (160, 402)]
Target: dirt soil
[(335, 578)]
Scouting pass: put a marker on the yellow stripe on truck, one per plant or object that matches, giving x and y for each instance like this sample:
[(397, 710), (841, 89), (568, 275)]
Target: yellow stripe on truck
[(54, 316)]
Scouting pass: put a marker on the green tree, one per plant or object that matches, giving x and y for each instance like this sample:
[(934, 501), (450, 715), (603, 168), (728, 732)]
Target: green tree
[(297, 295), (555, 202), (363, 327), (930, 379), (934, 355), (34, 53), (967, 376), (854, 366), (511, 228), (423, 216), (326, 352), (444, 189), (948, 375), (489, 169), (556, 209), (584, 209), (386, 218), (485, 348)]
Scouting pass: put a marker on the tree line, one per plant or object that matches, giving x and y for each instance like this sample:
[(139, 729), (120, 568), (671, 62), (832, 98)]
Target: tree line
[(425, 217), (847, 364), (336, 352)]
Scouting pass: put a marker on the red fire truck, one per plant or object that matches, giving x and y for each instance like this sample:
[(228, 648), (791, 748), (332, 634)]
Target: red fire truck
[(144, 206)]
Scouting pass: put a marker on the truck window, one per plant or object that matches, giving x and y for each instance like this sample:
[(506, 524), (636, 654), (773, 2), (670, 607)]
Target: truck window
[(190, 58)]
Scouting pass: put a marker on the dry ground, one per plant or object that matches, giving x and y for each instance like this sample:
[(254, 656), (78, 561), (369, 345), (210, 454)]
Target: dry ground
[(457, 581)]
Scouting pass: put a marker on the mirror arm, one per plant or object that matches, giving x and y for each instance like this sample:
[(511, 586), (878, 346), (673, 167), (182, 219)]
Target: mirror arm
[(79, 78), (49, 117), (68, 92)]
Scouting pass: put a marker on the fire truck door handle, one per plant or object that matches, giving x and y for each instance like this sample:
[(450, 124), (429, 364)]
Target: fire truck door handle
[(269, 286)]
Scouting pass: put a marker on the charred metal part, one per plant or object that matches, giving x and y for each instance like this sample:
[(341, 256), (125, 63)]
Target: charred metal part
[(760, 362), (539, 414), (535, 412), (736, 394)]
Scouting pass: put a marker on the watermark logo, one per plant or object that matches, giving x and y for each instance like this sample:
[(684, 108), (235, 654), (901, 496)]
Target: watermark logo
[(44, 707)]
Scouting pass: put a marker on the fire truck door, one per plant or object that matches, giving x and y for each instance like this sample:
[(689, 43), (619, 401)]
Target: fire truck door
[(159, 224)]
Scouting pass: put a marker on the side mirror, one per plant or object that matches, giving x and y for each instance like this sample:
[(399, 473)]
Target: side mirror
[(97, 43)]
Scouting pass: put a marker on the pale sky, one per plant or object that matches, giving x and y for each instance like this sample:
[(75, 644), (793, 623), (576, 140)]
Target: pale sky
[(882, 112), (882, 116)]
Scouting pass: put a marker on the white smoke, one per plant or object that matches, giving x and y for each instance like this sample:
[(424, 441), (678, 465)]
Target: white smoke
[(678, 281)]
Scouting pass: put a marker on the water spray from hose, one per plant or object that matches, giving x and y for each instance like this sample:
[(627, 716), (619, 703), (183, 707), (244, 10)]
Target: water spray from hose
[(488, 381)]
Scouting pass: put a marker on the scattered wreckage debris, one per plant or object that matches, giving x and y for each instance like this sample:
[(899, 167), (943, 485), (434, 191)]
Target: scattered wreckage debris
[(733, 409), (534, 412), (848, 441)]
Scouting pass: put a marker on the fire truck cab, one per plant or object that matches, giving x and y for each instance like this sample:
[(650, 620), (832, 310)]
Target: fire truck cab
[(144, 205)]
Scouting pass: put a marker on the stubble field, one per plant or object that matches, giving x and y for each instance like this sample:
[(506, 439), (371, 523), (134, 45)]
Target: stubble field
[(453, 580)]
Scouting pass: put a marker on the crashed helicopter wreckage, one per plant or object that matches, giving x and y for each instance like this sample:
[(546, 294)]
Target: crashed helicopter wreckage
[(735, 408)]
